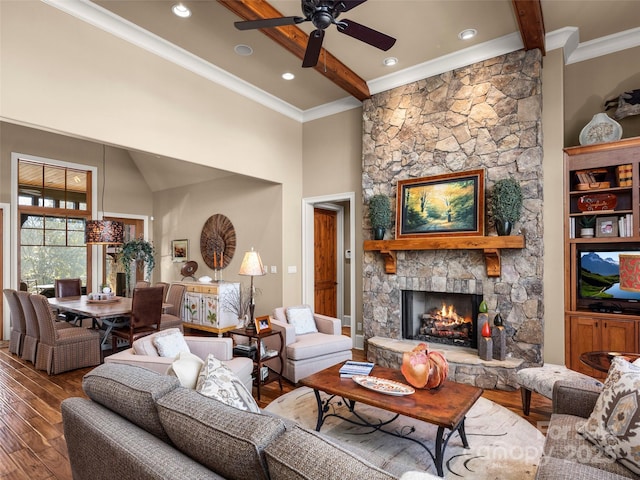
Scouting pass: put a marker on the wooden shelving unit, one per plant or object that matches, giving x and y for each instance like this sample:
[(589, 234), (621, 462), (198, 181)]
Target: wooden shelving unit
[(586, 330), (491, 247)]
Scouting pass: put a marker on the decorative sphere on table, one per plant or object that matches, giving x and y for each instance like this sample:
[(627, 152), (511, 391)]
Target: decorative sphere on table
[(106, 290)]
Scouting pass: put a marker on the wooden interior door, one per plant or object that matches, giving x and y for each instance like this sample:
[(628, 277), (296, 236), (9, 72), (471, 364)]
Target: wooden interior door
[(325, 261)]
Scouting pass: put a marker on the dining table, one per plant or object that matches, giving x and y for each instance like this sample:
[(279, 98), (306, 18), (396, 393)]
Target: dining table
[(112, 313)]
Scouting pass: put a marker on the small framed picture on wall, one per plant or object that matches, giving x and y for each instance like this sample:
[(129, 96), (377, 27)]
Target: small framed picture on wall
[(179, 250)]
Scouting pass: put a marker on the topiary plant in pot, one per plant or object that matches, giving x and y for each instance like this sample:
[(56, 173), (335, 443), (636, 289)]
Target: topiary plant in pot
[(506, 204), (379, 215)]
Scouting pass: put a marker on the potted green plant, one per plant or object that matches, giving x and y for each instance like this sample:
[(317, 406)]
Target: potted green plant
[(140, 251), (587, 226), (379, 215), (506, 204)]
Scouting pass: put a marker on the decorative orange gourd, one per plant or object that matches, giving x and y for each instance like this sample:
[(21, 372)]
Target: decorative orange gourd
[(424, 369)]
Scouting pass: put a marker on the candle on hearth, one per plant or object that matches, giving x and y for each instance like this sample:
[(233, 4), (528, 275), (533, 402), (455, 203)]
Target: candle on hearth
[(486, 330), (215, 259)]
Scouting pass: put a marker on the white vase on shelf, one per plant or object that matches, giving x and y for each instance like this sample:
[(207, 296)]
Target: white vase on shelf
[(601, 128)]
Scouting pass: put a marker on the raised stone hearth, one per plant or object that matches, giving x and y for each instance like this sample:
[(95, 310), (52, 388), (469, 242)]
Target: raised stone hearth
[(464, 364)]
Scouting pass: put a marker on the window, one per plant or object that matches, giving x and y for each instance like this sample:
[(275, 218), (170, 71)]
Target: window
[(53, 206)]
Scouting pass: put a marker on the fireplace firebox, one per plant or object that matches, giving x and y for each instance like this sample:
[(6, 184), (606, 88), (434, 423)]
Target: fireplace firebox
[(437, 317)]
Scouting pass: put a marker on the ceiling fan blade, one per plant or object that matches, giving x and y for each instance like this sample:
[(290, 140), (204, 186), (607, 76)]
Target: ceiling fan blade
[(366, 34), (314, 45), (346, 5), (268, 22)]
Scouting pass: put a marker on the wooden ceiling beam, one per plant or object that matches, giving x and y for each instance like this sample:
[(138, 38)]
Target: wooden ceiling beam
[(531, 23), (294, 39)]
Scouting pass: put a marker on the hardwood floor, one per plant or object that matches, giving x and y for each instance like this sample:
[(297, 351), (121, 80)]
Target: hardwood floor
[(32, 444)]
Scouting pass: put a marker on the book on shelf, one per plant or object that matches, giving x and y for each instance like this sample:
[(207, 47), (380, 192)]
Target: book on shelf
[(351, 368), (625, 175)]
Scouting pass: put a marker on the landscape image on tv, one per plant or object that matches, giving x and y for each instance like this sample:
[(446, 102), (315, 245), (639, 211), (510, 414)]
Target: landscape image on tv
[(600, 277)]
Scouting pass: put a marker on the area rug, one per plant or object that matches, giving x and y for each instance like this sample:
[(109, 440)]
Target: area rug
[(502, 445)]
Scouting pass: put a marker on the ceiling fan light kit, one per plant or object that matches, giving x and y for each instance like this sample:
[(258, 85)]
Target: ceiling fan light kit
[(323, 13)]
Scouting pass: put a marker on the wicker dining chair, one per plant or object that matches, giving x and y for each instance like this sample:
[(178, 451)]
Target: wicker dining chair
[(63, 349), (18, 324)]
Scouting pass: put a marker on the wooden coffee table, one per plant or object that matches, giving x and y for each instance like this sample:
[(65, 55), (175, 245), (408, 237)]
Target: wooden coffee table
[(445, 407)]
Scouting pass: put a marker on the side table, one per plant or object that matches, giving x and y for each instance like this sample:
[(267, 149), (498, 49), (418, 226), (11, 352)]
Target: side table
[(601, 361), (261, 360)]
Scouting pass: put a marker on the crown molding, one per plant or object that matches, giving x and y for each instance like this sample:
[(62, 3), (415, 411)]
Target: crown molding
[(331, 108), (599, 47)]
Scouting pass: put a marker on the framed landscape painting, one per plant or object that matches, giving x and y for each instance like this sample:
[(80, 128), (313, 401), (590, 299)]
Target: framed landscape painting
[(442, 205)]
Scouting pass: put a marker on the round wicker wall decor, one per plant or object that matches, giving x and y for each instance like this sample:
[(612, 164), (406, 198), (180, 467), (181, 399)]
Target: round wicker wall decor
[(218, 241)]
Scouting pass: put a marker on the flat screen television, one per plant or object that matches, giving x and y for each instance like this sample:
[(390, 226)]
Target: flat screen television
[(598, 282)]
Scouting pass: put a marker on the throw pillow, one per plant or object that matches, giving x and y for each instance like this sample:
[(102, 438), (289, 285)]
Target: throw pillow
[(614, 424), (187, 368), (301, 317), (216, 380), (170, 344), (145, 346)]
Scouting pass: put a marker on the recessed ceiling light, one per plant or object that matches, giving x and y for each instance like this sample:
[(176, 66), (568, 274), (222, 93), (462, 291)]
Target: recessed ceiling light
[(390, 61), (244, 50), (181, 10), (467, 34), (288, 76)]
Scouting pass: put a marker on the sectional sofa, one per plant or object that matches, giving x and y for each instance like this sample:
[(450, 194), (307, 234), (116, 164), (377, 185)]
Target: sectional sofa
[(139, 424)]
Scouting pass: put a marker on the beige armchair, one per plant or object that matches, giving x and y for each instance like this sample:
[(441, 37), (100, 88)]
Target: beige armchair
[(221, 348), (308, 353)]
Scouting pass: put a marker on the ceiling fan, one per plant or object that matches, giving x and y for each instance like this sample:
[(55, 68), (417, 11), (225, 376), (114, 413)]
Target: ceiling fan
[(323, 13)]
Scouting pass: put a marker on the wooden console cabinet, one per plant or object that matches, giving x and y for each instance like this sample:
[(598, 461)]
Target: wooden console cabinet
[(586, 330)]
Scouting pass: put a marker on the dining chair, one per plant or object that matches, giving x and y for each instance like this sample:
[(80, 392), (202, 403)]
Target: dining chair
[(63, 349), (32, 336), (172, 316), (68, 287), (18, 325), (146, 312), (165, 287), (142, 284)]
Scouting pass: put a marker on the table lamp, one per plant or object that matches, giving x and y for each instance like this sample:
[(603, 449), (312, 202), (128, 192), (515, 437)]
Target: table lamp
[(251, 266)]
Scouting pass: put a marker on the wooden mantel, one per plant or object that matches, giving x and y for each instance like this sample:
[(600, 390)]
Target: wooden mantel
[(490, 246)]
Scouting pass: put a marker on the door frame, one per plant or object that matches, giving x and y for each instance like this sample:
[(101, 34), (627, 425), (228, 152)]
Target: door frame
[(5, 242), (339, 209), (308, 205)]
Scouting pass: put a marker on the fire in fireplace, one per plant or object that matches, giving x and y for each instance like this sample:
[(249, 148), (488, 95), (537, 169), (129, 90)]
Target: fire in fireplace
[(448, 318)]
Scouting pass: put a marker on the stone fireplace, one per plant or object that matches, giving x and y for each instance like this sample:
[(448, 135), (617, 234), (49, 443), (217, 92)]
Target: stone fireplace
[(443, 318), (483, 116)]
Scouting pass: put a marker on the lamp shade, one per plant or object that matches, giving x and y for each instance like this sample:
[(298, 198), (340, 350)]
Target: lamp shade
[(251, 264), (629, 272), (103, 232)]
